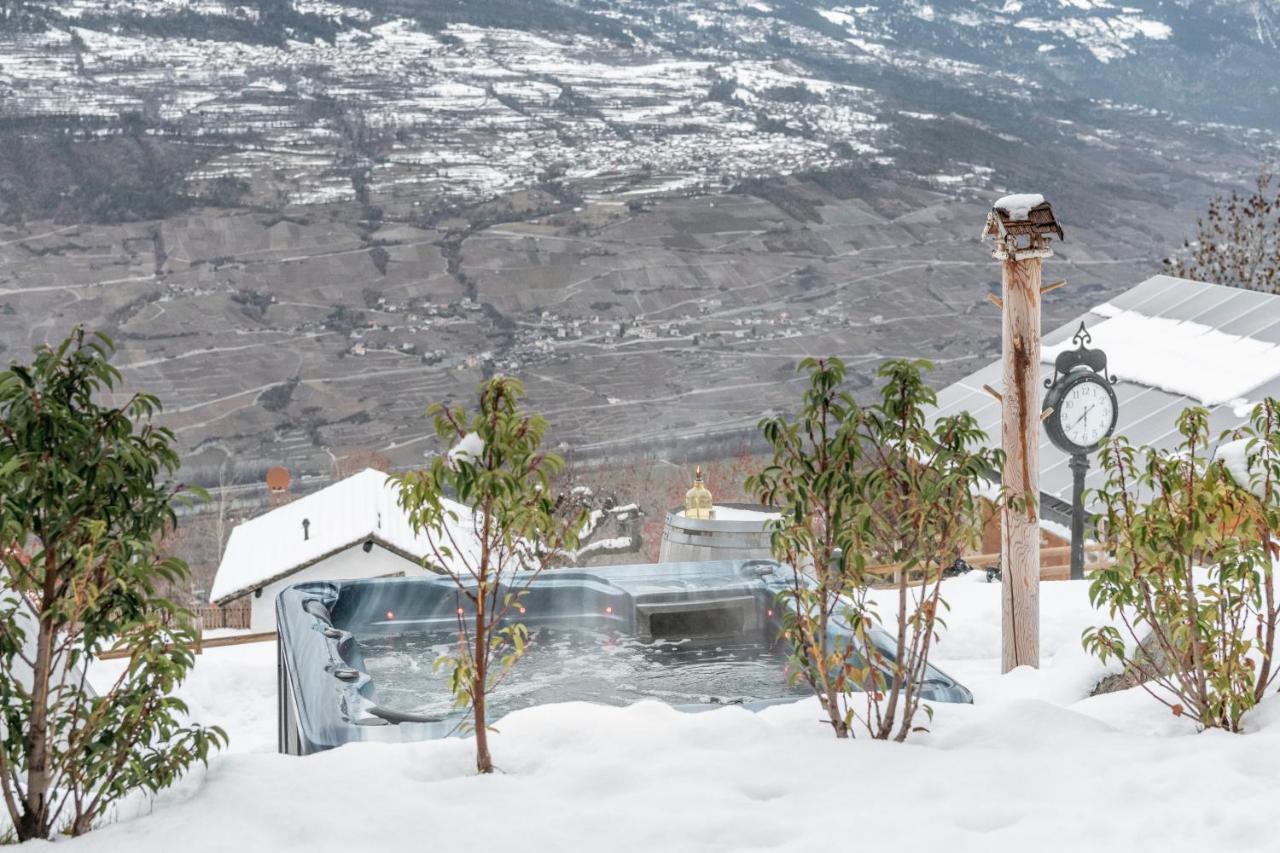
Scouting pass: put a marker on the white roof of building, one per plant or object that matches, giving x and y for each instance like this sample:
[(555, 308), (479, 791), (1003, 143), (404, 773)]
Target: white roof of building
[(363, 506), (1172, 343)]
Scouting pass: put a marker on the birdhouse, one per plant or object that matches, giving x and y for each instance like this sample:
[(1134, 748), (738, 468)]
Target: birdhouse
[(1022, 226)]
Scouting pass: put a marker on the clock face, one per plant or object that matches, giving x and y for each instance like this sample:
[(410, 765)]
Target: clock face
[(1087, 413)]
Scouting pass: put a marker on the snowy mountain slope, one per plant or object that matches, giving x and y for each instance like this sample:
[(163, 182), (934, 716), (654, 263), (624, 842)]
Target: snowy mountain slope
[(353, 100), (274, 203), (1210, 59)]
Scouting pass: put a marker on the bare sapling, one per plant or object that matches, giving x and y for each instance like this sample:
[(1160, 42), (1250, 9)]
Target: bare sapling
[(1237, 241)]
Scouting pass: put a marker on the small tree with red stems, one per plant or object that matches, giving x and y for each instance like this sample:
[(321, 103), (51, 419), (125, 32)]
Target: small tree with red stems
[(514, 531)]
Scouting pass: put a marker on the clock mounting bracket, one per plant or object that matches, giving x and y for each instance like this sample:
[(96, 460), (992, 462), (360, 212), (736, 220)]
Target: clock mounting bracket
[(1081, 356)]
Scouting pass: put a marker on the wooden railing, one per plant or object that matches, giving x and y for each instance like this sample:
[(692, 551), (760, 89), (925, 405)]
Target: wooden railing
[(1095, 556), (209, 643)]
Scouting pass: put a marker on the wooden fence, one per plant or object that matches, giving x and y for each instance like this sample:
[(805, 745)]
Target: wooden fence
[(212, 618), (206, 643)]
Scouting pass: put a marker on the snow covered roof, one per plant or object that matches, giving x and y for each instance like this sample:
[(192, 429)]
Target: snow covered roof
[(273, 546), (1018, 206), (1021, 224), (1172, 343), (1183, 357)]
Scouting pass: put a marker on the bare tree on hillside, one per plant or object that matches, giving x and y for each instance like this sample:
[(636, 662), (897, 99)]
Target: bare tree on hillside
[(228, 477), (1237, 241)]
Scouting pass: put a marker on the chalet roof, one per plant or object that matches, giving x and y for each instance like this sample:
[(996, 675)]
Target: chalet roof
[(1172, 343), (364, 506)]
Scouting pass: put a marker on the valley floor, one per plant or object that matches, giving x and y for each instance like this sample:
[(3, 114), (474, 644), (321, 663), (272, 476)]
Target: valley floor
[(1033, 764)]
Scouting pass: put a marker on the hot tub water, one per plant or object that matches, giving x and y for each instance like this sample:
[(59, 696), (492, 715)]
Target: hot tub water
[(564, 664), (357, 658)]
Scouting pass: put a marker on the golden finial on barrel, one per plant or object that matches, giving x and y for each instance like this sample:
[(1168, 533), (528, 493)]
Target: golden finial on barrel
[(697, 501)]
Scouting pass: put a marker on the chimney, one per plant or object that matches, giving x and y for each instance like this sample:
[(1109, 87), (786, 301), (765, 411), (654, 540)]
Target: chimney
[(306, 529), (1021, 226), (278, 485)]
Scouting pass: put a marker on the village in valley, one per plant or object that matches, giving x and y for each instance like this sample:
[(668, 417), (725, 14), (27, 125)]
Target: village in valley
[(707, 426)]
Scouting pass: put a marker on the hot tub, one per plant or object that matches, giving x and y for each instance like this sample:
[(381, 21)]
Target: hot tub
[(356, 657)]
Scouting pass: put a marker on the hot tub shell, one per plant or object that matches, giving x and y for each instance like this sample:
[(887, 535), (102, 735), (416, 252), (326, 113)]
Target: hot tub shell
[(326, 698)]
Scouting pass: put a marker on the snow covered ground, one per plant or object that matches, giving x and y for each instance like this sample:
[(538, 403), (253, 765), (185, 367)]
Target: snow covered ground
[(1032, 765)]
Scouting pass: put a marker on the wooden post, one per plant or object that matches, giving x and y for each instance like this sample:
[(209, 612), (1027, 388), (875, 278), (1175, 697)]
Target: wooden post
[(1021, 226), (1020, 439)]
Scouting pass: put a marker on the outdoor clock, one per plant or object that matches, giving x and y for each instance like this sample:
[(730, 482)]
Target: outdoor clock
[(1081, 402), (1080, 410)]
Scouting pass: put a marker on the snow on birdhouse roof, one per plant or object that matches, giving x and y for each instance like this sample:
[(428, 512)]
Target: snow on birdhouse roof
[(1021, 225), (1018, 206), (275, 544), (1171, 343)]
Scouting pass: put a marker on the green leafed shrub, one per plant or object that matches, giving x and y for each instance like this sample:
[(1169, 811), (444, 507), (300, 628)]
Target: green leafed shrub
[(1192, 589), (85, 497), (867, 493), (918, 508), (497, 468)]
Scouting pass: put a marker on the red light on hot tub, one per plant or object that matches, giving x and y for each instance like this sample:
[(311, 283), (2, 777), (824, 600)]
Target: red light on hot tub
[(608, 610), (391, 614), (768, 613), (522, 611), (459, 611)]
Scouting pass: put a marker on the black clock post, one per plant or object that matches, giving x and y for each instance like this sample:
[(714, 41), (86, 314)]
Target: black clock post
[(1080, 410), (1079, 467)]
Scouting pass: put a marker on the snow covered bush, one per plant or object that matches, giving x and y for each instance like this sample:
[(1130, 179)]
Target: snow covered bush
[(85, 497), (496, 467), (1193, 583), (866, 492)]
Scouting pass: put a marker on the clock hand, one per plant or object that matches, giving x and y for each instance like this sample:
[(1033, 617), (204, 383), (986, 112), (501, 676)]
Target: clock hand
[(1083, 415)]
